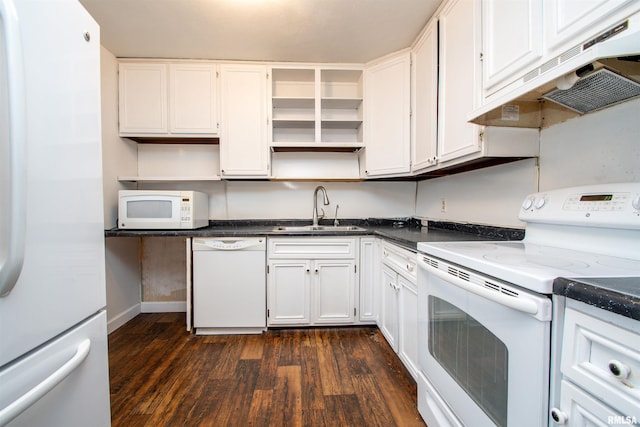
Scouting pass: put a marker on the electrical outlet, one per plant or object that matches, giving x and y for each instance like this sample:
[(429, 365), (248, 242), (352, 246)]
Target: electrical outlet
[(443, 205)]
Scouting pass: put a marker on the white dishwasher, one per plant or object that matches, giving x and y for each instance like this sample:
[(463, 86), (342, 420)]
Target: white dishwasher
[(229, 285)]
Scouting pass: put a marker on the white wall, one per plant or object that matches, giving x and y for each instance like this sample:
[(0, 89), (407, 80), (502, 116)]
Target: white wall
[(119, 155), (118, 158), (294, 200), (486, 196), (601, 147)]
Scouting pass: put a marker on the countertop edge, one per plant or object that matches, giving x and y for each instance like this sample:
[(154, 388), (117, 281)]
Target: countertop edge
[(600, 297)]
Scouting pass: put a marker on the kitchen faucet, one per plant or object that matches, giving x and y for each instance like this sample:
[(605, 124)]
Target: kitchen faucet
[(315, 204)]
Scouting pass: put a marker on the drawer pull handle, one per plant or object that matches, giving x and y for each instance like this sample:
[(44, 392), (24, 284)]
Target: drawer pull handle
[(619, 369), (558, 416)]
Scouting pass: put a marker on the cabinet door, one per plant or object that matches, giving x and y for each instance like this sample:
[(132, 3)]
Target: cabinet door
[(333, 291), (512, 40), (289, 292), (571, 22), (389, 307), (582, 409), (408, 327), (369, 278), (424, 91), (193, 95), (459, 83), (387, 103), (143, 98), (244, 148)]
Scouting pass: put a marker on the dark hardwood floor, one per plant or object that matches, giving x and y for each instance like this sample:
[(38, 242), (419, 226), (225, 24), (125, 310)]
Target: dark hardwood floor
[(163, 376)]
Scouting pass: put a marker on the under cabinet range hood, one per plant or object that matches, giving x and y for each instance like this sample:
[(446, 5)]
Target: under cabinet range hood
[(599, 73)]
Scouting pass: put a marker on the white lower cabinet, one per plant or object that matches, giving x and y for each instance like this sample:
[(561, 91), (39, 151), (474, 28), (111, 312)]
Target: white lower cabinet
[(600, 362), (408, 325), (389, 307), (398, 319), (312, 281), (369, 279), (288, 285)]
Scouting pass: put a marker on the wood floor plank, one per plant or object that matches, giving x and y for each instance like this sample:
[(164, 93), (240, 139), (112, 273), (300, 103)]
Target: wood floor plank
[(269, 363), (372, 401), (260, 409), (253, 347), (344, 410), (333, 371), (162, 376), (287, 396), (312, 395)]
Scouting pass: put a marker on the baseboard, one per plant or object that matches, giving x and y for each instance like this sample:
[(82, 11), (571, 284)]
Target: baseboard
[(164, 307), (122, 318)]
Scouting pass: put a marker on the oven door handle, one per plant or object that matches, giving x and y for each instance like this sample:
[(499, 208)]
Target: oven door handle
[(520, 303)]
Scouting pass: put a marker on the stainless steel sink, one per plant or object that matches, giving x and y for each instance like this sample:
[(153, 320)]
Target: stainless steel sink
[(316, 228)]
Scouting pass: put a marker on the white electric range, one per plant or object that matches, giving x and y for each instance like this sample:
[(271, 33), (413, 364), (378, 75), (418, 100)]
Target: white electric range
[(485, 309)]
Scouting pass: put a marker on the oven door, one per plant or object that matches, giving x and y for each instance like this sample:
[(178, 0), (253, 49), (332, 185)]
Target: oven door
[(483, 346)]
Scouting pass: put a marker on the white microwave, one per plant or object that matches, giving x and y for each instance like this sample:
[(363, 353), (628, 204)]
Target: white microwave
[(154, 209)]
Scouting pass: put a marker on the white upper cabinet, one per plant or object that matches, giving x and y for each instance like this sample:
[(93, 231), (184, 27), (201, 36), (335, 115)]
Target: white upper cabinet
[(143, 99), (244, 151), (166, 100), (424, 99), (571, 22), (511, 40), (459, 80), (387, 116), (194, 99)]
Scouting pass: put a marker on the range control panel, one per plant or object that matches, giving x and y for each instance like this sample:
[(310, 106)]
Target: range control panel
[(602, 205)]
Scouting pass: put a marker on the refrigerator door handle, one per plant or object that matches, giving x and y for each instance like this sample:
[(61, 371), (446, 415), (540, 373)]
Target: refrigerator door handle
[(12, 151), (19, 405)]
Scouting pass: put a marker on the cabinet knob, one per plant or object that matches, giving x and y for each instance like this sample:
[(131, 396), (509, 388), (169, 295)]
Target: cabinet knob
[(619, 369), (558, 416)]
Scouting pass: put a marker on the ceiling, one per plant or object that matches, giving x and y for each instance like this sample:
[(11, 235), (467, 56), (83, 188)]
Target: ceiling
[(261, 30)]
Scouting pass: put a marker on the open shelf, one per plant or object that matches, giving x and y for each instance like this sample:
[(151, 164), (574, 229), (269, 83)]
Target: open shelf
[(340, 147), (316, 108), (168, 178)]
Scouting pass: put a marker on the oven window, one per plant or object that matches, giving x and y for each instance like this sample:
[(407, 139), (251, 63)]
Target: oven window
[(149, 209), (473, 356)]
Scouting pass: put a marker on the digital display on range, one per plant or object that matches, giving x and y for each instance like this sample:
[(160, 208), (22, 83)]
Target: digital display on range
[(597, 198)]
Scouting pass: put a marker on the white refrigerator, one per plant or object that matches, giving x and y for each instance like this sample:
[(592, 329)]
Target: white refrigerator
[(53, 339)]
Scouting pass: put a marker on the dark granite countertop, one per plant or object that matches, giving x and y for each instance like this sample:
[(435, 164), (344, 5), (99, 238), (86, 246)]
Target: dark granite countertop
[(619, 295), (405, 232)]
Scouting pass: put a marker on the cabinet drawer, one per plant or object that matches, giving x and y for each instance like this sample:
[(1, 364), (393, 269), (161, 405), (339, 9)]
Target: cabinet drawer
[(316, 248), (401, 260), (603, 358)]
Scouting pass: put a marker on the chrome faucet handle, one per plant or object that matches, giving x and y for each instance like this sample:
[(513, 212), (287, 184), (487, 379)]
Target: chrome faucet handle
[(321, 216), (335, 219)]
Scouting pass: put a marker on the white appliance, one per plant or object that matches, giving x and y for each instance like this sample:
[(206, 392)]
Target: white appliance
[(229, 285), (485, 307), (53, 336), (159, 209)]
